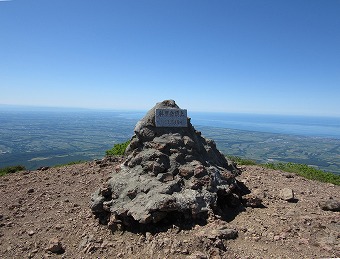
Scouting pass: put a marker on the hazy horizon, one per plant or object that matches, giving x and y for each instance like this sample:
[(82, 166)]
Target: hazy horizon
[(13, 107)]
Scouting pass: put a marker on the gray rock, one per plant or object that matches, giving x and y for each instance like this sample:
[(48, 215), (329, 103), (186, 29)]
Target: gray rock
[(168, 173), (330, 204), (287, 194), (253, 201), (97, 200), (215, 232), (55, 246), (197, 255), (223, 234), (30, 232)]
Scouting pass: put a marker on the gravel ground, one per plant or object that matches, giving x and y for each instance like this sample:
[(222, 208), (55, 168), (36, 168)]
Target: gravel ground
[(45, 214)]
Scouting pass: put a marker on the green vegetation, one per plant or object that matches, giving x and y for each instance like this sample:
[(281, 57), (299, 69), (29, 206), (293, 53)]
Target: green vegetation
[(71, 163), (305, 171), (241, 161), (118, 149), (11, 169), (299, 169)]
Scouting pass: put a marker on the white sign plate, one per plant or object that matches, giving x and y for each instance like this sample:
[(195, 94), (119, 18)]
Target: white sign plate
[(171, 118)]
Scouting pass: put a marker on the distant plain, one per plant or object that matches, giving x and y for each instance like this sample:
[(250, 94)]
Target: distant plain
[(36, 138)]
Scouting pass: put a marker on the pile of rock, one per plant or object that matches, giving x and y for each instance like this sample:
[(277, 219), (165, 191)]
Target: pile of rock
[(170, 173)]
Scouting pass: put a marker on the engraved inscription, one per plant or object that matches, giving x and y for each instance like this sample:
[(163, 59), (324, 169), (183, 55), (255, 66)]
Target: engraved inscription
[(171, 118)]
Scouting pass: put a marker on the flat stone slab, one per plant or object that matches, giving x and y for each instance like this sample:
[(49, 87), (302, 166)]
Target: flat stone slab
[(171, 118)]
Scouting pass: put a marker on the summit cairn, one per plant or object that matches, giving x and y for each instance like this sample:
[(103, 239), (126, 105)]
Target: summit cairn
[(171, 174)]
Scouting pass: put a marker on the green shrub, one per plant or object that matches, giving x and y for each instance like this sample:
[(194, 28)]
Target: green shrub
[(241, 161), (305, 171), (118, 149), (11, 169)]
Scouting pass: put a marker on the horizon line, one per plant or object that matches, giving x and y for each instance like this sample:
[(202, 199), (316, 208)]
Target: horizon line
[(70, 108)]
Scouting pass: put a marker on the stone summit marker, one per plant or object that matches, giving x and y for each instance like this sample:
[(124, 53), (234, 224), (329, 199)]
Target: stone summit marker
[(171, 118), (171, 174)]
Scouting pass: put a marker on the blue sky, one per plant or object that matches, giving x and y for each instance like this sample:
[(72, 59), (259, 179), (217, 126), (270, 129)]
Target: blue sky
[(263, 56)]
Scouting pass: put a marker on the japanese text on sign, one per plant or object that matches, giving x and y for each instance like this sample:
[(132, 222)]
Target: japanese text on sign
[(171, 118)]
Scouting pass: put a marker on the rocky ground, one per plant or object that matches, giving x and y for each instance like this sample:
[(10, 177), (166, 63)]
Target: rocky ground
[(46, 214)]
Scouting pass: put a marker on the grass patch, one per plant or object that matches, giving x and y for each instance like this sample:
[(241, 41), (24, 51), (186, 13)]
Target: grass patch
[(299, 169), (118, 149), (11, 169), (305, 171), (241, 161)]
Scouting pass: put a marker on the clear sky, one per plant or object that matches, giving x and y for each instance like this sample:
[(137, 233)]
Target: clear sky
[(253, 56)]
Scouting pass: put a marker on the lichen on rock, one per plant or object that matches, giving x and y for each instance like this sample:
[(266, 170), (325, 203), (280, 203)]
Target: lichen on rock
[(168, 173)]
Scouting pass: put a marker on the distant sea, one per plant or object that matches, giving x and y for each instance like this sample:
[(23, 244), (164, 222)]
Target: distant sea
[(35, 137), (312, 126)]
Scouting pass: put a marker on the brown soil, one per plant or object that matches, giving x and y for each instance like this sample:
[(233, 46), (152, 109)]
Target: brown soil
[(42, 207)]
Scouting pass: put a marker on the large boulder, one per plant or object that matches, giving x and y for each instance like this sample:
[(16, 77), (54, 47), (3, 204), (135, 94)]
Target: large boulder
[(169, 173)]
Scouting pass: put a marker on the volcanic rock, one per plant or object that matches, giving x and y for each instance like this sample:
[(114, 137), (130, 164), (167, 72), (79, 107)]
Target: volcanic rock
[(55, 246), (220, 232), (252, 201), (332, 205), (169, 174)]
